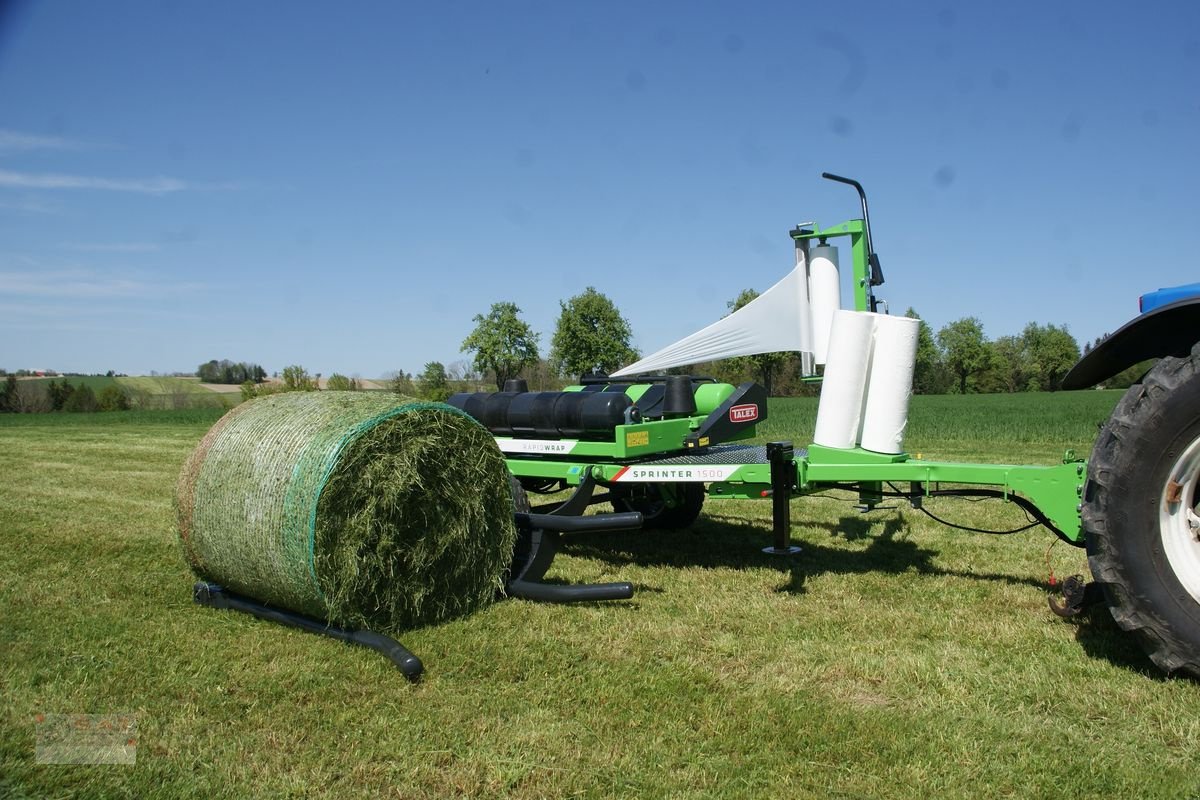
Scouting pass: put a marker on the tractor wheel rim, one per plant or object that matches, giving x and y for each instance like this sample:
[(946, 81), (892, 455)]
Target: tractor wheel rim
[(1178, 521)]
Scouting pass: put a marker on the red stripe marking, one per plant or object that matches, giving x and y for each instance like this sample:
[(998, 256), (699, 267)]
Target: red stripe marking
[(617, 477)]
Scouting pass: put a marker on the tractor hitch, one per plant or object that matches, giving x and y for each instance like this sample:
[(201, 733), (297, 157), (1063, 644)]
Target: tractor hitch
[(1077, 596)]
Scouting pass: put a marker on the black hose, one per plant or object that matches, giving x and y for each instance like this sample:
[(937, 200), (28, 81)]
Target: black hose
[(1023, 503)]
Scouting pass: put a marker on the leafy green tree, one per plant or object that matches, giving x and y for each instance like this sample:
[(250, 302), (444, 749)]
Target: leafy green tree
[(8, 395), (966, 349), (502, 342), (340, 383), (434, 383), (930, 375), (764, 367), (590, 334), (58, 394), (401, 382), (297, 379), (112, 398), (226, 371), (1050, 351), (82, 399), (1007, 368)]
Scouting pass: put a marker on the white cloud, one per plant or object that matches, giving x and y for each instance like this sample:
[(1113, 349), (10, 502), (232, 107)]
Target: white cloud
[(23, 314), (13, 141), (28, 180), (29, 205), (67, 283), (113, 247), (83, 283)]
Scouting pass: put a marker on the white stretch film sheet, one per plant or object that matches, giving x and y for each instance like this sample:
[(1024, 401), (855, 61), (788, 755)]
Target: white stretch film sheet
[(777, 320)]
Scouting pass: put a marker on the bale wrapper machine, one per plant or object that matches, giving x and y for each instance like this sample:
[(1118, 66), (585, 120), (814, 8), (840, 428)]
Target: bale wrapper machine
[(659, 444)]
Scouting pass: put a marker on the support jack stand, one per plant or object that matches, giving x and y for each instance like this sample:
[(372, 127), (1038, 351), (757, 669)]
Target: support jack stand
[(782, 458)]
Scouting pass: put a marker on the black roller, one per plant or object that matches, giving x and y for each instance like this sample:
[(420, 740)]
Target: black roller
[(516, 385), (470, 402), (604, 411), (495, 413), (547, 415), (568, 414)]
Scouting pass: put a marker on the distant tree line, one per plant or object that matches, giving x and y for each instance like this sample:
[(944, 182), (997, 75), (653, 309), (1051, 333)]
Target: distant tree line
[(230, 372), (591, 335), (26, 397), (960, 359)]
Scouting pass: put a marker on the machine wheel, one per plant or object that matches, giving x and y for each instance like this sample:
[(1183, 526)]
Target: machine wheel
[(519, 495), (523, 548), (665, 506), (1140, 513)]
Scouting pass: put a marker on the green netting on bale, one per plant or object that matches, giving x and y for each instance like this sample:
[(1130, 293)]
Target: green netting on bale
[(360, 508)]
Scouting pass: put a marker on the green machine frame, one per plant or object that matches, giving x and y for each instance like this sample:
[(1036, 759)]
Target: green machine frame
[(672, 451)]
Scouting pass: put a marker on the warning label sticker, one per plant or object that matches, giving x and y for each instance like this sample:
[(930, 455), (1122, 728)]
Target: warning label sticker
[(637, 438)]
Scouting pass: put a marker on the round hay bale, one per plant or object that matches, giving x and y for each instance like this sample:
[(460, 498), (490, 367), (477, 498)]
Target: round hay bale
[(365, 509)]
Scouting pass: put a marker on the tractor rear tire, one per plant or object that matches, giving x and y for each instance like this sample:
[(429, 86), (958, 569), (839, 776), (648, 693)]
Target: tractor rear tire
[(1140, 513), (664, 506)]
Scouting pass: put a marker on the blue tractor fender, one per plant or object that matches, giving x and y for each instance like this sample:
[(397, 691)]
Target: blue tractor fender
[(1168, 326)]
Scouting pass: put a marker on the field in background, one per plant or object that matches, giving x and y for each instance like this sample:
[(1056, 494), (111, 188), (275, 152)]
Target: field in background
[(892, 657), (1026, 428), (167, 392), (154, 392)]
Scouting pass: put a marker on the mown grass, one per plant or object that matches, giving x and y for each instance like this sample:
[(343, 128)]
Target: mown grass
[(892, 657)]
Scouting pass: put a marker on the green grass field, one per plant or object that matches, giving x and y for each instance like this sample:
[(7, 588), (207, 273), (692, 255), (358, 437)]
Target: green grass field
[(892, 658)]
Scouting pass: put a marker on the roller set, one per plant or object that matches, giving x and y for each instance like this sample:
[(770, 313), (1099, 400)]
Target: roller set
[(654, 445)]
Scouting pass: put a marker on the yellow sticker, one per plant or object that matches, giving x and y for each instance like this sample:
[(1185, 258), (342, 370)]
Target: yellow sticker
[(637, 438), (704, 441)]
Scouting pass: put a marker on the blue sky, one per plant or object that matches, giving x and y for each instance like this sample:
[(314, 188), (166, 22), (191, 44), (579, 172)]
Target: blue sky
[(344, 186)]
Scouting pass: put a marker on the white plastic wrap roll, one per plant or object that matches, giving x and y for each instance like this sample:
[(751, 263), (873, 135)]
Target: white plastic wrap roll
[(840, 411), (825, 296), (889, 386)]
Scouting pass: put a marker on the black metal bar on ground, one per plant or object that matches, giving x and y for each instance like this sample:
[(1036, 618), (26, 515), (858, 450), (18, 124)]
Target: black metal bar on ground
[(624, 521), (781, 456), (214, 596), (551, 593)]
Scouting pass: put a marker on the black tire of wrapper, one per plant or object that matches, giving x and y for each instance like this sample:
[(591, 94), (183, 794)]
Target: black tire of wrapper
[(1155, 421)]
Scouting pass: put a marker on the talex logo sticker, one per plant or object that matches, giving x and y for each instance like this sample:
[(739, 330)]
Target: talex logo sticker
[(746, 413)]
